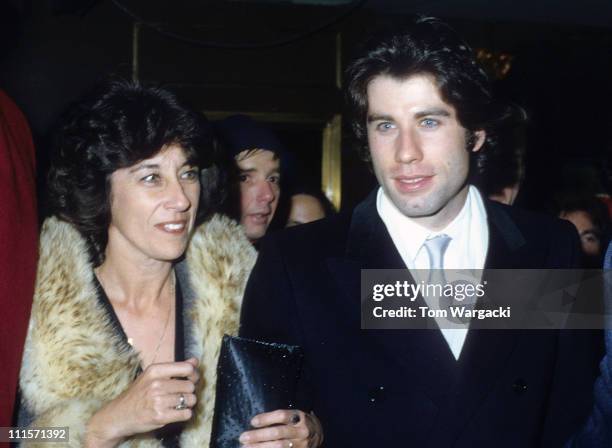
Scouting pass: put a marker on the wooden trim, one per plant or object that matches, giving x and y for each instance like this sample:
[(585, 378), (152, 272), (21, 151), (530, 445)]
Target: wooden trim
[(135, 51), (331, 163)]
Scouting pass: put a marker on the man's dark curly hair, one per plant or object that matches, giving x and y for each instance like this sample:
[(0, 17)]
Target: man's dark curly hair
[(117, 125), (426, 46)]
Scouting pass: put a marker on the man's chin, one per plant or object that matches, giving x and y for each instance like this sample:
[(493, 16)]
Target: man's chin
[(418, 212), (414, 207)]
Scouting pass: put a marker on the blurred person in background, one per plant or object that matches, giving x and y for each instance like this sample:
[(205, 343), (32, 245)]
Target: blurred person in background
[(597, 431), (308, 205), (504, 171), (255, 174), (590, 217)]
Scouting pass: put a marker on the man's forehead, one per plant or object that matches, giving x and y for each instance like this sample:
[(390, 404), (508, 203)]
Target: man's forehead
[(257, 160), (419, 92)]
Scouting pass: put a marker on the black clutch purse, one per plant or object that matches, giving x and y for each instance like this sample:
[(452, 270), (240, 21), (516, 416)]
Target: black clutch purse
[(252, 377)]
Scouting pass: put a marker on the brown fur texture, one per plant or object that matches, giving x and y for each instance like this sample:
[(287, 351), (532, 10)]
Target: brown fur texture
[(74, 361)]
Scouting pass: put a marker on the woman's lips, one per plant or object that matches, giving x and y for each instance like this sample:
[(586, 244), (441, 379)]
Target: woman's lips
[(410, 184), (173, 227)]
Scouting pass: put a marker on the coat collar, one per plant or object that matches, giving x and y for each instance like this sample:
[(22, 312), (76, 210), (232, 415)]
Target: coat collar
[(506, 241), (74, 361), (369, 242)]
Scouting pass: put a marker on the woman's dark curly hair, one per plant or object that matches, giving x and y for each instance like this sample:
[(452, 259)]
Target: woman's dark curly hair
[(117, 125)]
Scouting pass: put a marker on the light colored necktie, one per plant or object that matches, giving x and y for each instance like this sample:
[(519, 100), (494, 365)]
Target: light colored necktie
[(436, 247)]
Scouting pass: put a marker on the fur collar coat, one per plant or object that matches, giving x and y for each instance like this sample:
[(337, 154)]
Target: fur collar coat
[(74, 360)]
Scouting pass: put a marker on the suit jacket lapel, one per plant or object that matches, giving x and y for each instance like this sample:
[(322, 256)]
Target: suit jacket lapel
[(368, 246), (369, 242), (506, 242)]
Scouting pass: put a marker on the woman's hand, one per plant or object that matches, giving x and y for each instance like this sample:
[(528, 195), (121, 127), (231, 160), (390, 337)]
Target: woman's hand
[(152, 401), (283, 429)]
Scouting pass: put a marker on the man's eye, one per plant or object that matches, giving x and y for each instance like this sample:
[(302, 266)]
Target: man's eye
[(429, 123), (274, 179), (385, 126)]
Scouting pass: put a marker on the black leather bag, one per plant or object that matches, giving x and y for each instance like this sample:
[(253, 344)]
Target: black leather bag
[(252, 377)]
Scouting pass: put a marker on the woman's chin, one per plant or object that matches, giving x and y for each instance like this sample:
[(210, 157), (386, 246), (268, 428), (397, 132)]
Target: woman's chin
[(170, 254)]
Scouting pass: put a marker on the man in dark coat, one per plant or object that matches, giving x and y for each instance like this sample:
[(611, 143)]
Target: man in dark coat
[(423, 113)]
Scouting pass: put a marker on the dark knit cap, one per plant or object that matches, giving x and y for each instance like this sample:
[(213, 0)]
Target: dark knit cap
[(240, 133)]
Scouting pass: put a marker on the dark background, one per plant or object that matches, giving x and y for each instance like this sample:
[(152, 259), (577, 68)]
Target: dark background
[(281, 61)]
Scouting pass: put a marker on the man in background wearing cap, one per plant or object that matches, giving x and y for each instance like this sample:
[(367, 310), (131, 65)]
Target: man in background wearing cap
[(257, 154)]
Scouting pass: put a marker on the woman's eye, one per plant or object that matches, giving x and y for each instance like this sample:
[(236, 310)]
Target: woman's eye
[(190, 174), (243, 177), (150, 178), (274, 179)]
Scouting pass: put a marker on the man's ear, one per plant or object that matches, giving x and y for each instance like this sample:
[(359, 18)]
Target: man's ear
[(479, 139)]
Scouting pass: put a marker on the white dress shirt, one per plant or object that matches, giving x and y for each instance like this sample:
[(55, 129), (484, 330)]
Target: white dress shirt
[(467, 249)]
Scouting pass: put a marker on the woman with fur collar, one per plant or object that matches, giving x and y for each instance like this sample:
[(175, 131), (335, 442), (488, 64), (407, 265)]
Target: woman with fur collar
[(132, 296)]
